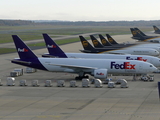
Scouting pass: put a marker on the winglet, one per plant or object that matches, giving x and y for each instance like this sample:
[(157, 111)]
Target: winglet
[(23, 50), (53, 48)]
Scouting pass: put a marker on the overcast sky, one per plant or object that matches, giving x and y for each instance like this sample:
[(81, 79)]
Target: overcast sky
[(80, 10)]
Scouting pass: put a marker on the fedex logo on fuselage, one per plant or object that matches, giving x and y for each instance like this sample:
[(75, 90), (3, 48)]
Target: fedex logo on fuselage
[(51, 46), (100, 73), (125, 65), (138, 58), (22, 50)]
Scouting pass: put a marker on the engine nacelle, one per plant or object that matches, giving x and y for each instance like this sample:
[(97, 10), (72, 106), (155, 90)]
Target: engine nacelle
[(100, 73)]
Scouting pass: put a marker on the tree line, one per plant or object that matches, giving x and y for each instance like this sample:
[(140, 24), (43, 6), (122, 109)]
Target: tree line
[(79, 23), (15, 22)]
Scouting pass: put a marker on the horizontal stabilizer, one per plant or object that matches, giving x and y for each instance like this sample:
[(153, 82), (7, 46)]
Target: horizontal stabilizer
[(18, 61)]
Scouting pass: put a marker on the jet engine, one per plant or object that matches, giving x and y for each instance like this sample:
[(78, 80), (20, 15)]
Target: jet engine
[(100, 73)]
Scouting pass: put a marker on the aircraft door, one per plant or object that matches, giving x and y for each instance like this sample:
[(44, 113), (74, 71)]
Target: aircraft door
[(140, 67)]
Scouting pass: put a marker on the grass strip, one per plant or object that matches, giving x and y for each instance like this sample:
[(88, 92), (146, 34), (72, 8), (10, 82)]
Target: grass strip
[(41, 44), (7, 50)]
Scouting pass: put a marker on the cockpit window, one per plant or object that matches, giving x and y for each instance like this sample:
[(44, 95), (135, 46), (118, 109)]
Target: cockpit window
[(151, 66)]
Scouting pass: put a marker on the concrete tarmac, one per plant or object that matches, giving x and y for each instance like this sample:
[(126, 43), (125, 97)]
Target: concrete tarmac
[(138, 102)]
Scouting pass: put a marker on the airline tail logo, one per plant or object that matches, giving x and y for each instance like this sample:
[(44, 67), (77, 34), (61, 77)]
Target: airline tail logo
[(95, 42), (85, 43), (125, 65), (100, 73), (134, 32), (138, 31), (138, 58), (104, 41), (110, 40), (51, 46), (155, 28), (22, 50)]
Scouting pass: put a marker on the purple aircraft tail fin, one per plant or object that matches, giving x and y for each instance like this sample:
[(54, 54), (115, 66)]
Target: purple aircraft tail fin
[(53, 48), (23, 50)]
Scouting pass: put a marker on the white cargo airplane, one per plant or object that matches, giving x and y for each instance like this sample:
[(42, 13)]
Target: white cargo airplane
[(55, 51), (99, 68)]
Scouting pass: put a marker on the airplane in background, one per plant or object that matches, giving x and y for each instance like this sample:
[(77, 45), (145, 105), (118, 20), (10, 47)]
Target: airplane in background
[(139, 35), (99, 68), (138, 45), (135, 34), (105, 43), (55, 51), (147, 36), (141, 38), (97, 44), (112, 41), (156, 29), (88, 48)]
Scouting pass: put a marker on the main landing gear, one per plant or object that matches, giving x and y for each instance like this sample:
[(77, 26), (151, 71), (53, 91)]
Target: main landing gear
[(81, 77)]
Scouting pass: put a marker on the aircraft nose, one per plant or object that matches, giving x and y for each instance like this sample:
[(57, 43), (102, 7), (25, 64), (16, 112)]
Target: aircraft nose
[(154, 69), (156, 53)]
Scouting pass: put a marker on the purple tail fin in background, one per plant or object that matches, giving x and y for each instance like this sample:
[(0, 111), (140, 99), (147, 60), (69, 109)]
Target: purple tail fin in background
[(53, 48)]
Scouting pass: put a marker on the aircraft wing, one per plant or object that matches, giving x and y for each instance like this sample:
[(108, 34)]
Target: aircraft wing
[(73, 66)]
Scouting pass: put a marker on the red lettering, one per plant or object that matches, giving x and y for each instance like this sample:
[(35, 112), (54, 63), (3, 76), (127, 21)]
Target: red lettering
[(53, 46), (127, 65), (25, 50), (132, 66), (140, 58), (144, 60)]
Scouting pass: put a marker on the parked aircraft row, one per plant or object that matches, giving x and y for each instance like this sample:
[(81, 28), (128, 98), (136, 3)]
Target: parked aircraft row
[(134, 49), (55, 51), (140, 36), (97, 44), (97, 67)]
